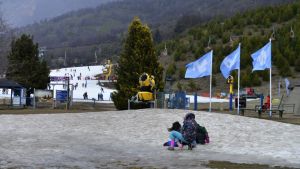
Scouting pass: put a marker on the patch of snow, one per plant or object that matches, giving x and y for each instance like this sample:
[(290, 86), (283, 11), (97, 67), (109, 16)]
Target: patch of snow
[(92, 87), (121, 138)]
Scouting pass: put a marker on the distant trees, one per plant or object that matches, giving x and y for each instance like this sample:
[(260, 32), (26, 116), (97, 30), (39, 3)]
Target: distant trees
[(138, 56), (187, 21), (157, 36), (24, 65), (82, 30), (5, 38)]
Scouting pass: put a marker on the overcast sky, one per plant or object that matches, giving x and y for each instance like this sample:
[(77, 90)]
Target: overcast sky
[(23, 12)]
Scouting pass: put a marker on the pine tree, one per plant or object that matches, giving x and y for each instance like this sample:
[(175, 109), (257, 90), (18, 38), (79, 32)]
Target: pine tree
[(24, 66), (138, 56)]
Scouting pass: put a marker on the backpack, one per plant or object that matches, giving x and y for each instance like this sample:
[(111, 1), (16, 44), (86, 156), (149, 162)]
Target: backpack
[(189, 130), (201, 135)]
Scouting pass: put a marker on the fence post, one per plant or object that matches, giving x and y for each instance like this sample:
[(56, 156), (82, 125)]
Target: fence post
[(128, 104), (34, 104), (195, 102), (165, 104), (94, 102), (261, 101)]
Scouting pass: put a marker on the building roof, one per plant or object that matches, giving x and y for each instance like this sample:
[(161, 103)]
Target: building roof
[(4, 83)]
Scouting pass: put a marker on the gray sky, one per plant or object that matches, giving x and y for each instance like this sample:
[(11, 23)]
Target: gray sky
[(23, 12)]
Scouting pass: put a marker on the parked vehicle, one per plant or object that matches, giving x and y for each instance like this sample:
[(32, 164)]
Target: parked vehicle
[(249, 92)]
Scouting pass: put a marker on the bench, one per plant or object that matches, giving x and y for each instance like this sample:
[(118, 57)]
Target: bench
[(260, 111), (275, 108)]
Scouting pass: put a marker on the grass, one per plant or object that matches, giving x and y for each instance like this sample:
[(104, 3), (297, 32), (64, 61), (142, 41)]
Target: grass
[(76, 108), (229, 165)]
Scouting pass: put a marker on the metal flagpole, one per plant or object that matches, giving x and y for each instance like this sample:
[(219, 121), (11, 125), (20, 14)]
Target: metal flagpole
[(271, 81), (238, 104), (210, 82)]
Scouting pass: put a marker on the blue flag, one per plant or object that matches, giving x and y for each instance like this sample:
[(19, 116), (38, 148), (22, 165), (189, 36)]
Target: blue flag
[(231, 62), (262, 58), (200, 68)]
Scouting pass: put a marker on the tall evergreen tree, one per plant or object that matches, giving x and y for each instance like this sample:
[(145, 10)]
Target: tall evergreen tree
[(138, 56), (24, 66)]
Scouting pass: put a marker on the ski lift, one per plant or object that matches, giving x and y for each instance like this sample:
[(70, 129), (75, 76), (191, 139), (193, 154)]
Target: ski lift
[(292, 34), (165, 52), (273, 34), (208, 44), (96, 57)]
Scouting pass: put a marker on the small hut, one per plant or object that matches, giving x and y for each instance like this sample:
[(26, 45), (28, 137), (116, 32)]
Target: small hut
[(14, 91)]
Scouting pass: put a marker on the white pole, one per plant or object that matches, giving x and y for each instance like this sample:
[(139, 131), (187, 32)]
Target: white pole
[(270, 92), (271, 83), (210, 82), (238, 104)]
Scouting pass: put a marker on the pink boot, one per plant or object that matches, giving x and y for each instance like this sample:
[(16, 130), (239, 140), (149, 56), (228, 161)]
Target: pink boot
[(171, 146)]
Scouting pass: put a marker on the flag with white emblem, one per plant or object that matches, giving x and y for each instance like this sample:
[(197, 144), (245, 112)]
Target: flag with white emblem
[(200, 68), (262, 58), (231, 62)]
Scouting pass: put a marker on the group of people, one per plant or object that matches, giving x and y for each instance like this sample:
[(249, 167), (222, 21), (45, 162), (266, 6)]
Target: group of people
[(190, 134), (84, 84)]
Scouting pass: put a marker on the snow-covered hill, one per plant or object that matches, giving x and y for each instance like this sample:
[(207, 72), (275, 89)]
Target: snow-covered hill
[(81, 76)]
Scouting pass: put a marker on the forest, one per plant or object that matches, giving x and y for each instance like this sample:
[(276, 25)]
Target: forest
[(252, 29), (100, 31)]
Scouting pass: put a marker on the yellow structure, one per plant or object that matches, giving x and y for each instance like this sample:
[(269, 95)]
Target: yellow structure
[(107, 69), (230, 82), (147, 85)]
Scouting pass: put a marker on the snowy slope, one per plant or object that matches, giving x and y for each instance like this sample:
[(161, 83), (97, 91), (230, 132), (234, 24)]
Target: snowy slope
[(92, 88), (125, 139)]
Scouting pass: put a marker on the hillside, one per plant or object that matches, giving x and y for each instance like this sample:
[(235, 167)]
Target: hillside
[(252, 29), (101, 30), (30, 11)]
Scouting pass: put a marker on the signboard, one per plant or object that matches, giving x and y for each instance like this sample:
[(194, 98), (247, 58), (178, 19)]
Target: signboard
[(61, 95), (43, 95), (59, 78)]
